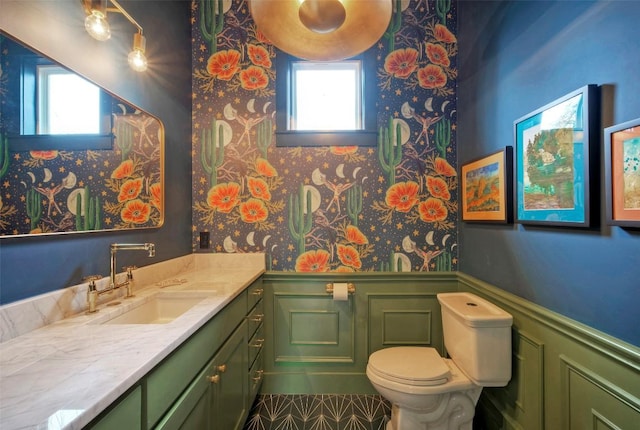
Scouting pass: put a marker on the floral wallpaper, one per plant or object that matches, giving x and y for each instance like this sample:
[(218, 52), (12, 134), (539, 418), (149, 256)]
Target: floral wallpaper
[(314, 209), (55, 191)]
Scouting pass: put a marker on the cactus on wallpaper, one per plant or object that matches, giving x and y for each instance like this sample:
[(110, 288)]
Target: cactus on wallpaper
[(299, 219), (88, 215), (388, 153), (442, 8), (443, 262), (264, 135), (211, 22), (443, 136), (211, 156), (393, 265), (34, 207), (124, 139), (394, 25), (354, 203), (4, 155)]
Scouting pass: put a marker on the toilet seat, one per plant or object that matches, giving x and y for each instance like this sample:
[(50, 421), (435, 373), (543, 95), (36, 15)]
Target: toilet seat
[(414, 366)]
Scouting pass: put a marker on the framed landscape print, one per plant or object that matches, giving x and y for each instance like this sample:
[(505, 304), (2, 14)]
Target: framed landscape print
[(556, 148), (486, 185), (622, 173)]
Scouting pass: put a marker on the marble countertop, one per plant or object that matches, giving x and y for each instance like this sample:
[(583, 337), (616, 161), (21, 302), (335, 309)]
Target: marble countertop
[(63, 375)]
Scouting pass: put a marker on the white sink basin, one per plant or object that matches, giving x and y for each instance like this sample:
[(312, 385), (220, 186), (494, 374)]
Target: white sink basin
[(160, 309), (210, 287)]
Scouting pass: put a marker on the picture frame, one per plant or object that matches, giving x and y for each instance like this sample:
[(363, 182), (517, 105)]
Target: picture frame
[(487, 188), (556, 161), (622, 173)]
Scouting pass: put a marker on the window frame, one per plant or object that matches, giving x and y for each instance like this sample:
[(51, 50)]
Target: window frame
[(366, 136)]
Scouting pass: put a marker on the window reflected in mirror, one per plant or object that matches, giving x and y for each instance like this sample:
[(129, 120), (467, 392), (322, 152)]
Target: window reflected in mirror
[(71, 164)]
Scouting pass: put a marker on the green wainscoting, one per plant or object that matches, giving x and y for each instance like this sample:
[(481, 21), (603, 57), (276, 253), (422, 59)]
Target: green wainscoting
[(565, 375)]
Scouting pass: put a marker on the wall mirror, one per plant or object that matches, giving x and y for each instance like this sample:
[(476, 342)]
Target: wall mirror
[(73, 157)]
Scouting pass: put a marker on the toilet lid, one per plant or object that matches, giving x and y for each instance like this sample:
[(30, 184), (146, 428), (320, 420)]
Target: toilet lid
[(410, 365)]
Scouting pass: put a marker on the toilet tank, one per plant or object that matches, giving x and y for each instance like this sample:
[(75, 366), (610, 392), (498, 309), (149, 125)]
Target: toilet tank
[(477, 335)]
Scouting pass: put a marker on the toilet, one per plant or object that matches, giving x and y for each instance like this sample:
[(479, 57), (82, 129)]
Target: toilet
[(428, 391)]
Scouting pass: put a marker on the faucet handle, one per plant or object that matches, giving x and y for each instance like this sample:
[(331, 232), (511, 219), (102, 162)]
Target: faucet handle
[(128, 269), (91, 279)]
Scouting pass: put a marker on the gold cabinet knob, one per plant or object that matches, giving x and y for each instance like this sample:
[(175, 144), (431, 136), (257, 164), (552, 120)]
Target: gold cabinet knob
[(214, 379), (258, 343), (258, 376), (258, 292), (222, 368), (257, 318)]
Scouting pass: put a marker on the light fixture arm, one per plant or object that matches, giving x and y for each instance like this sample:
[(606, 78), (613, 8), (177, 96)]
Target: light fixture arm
[(118, 8)]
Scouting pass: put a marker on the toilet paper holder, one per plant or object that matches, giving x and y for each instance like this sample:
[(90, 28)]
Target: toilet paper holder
[(351, 288)]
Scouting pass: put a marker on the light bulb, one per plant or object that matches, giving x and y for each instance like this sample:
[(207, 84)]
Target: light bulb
[(97, 25), (137, 59)]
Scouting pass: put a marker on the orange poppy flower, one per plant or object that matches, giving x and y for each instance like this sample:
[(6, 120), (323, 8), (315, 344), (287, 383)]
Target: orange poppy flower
[(354, 235), (124, 170), (156, 195), (44, 155), (343, 150), (223, 197), (432, 210), (442, 34), (401, 63), (431, 76), (259, 56), (253, 210), (259, 188), (313, 261), (438, 55), (224, 64), (438, 188), (443, 167), (349, 256), (402, 196), (253, 78), (265, 168), (135, 211), (130, 190)]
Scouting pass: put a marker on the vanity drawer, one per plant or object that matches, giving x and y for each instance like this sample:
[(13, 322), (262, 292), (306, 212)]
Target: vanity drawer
[(256, 376), (255, 344), (165, 383), (255, 318), (255, 292)]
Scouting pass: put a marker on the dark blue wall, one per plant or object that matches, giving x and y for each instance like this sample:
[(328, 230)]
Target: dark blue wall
[(516, 56), (35, 265)]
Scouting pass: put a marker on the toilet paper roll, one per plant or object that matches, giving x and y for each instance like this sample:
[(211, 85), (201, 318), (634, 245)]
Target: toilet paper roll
[(340, 291)]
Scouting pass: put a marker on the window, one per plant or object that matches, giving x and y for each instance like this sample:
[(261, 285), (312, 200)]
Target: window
[(67, 103), (325, 103)]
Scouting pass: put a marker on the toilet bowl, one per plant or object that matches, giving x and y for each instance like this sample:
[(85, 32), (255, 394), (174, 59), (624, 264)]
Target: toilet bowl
[(430, 392)]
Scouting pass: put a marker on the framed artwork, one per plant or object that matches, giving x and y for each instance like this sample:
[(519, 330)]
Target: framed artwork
[(622, 173), (556, 160), (486, 185)]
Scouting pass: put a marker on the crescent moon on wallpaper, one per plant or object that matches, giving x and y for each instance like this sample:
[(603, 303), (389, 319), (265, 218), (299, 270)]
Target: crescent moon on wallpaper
[(406, 110), (32, 176), (444, 239), (47, 175), (355, 172), (69, 181), (229, 112), (251, 105), (250, 238), (444, 105), (406, 263), (317, 177), (408, 245), (71, 200), (452, 112), (274, 247), (429, 238), (428, 105), (453, 246), (315, 198), (265, 107), (229, 245), (340, 170), (264, 241), (24, 183)]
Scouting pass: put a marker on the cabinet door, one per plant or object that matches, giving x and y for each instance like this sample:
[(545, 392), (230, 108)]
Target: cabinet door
[(230, 393), (126, 415)]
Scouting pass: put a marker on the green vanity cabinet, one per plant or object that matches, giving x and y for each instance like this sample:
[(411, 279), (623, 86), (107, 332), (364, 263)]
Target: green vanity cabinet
[(125, 414)]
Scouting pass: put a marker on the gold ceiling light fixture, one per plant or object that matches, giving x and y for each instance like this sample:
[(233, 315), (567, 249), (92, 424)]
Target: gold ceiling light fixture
[(322, 30), (97, 26)]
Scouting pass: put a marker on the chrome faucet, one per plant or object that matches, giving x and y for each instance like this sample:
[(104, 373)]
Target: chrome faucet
[(93, 293)]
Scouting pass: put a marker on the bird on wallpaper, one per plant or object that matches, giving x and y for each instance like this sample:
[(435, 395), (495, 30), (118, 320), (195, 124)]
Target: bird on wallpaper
[(427, 256), (337, 190), (425, 122)]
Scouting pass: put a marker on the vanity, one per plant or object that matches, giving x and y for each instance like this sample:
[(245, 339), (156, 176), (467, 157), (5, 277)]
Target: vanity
[(184, 352)]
